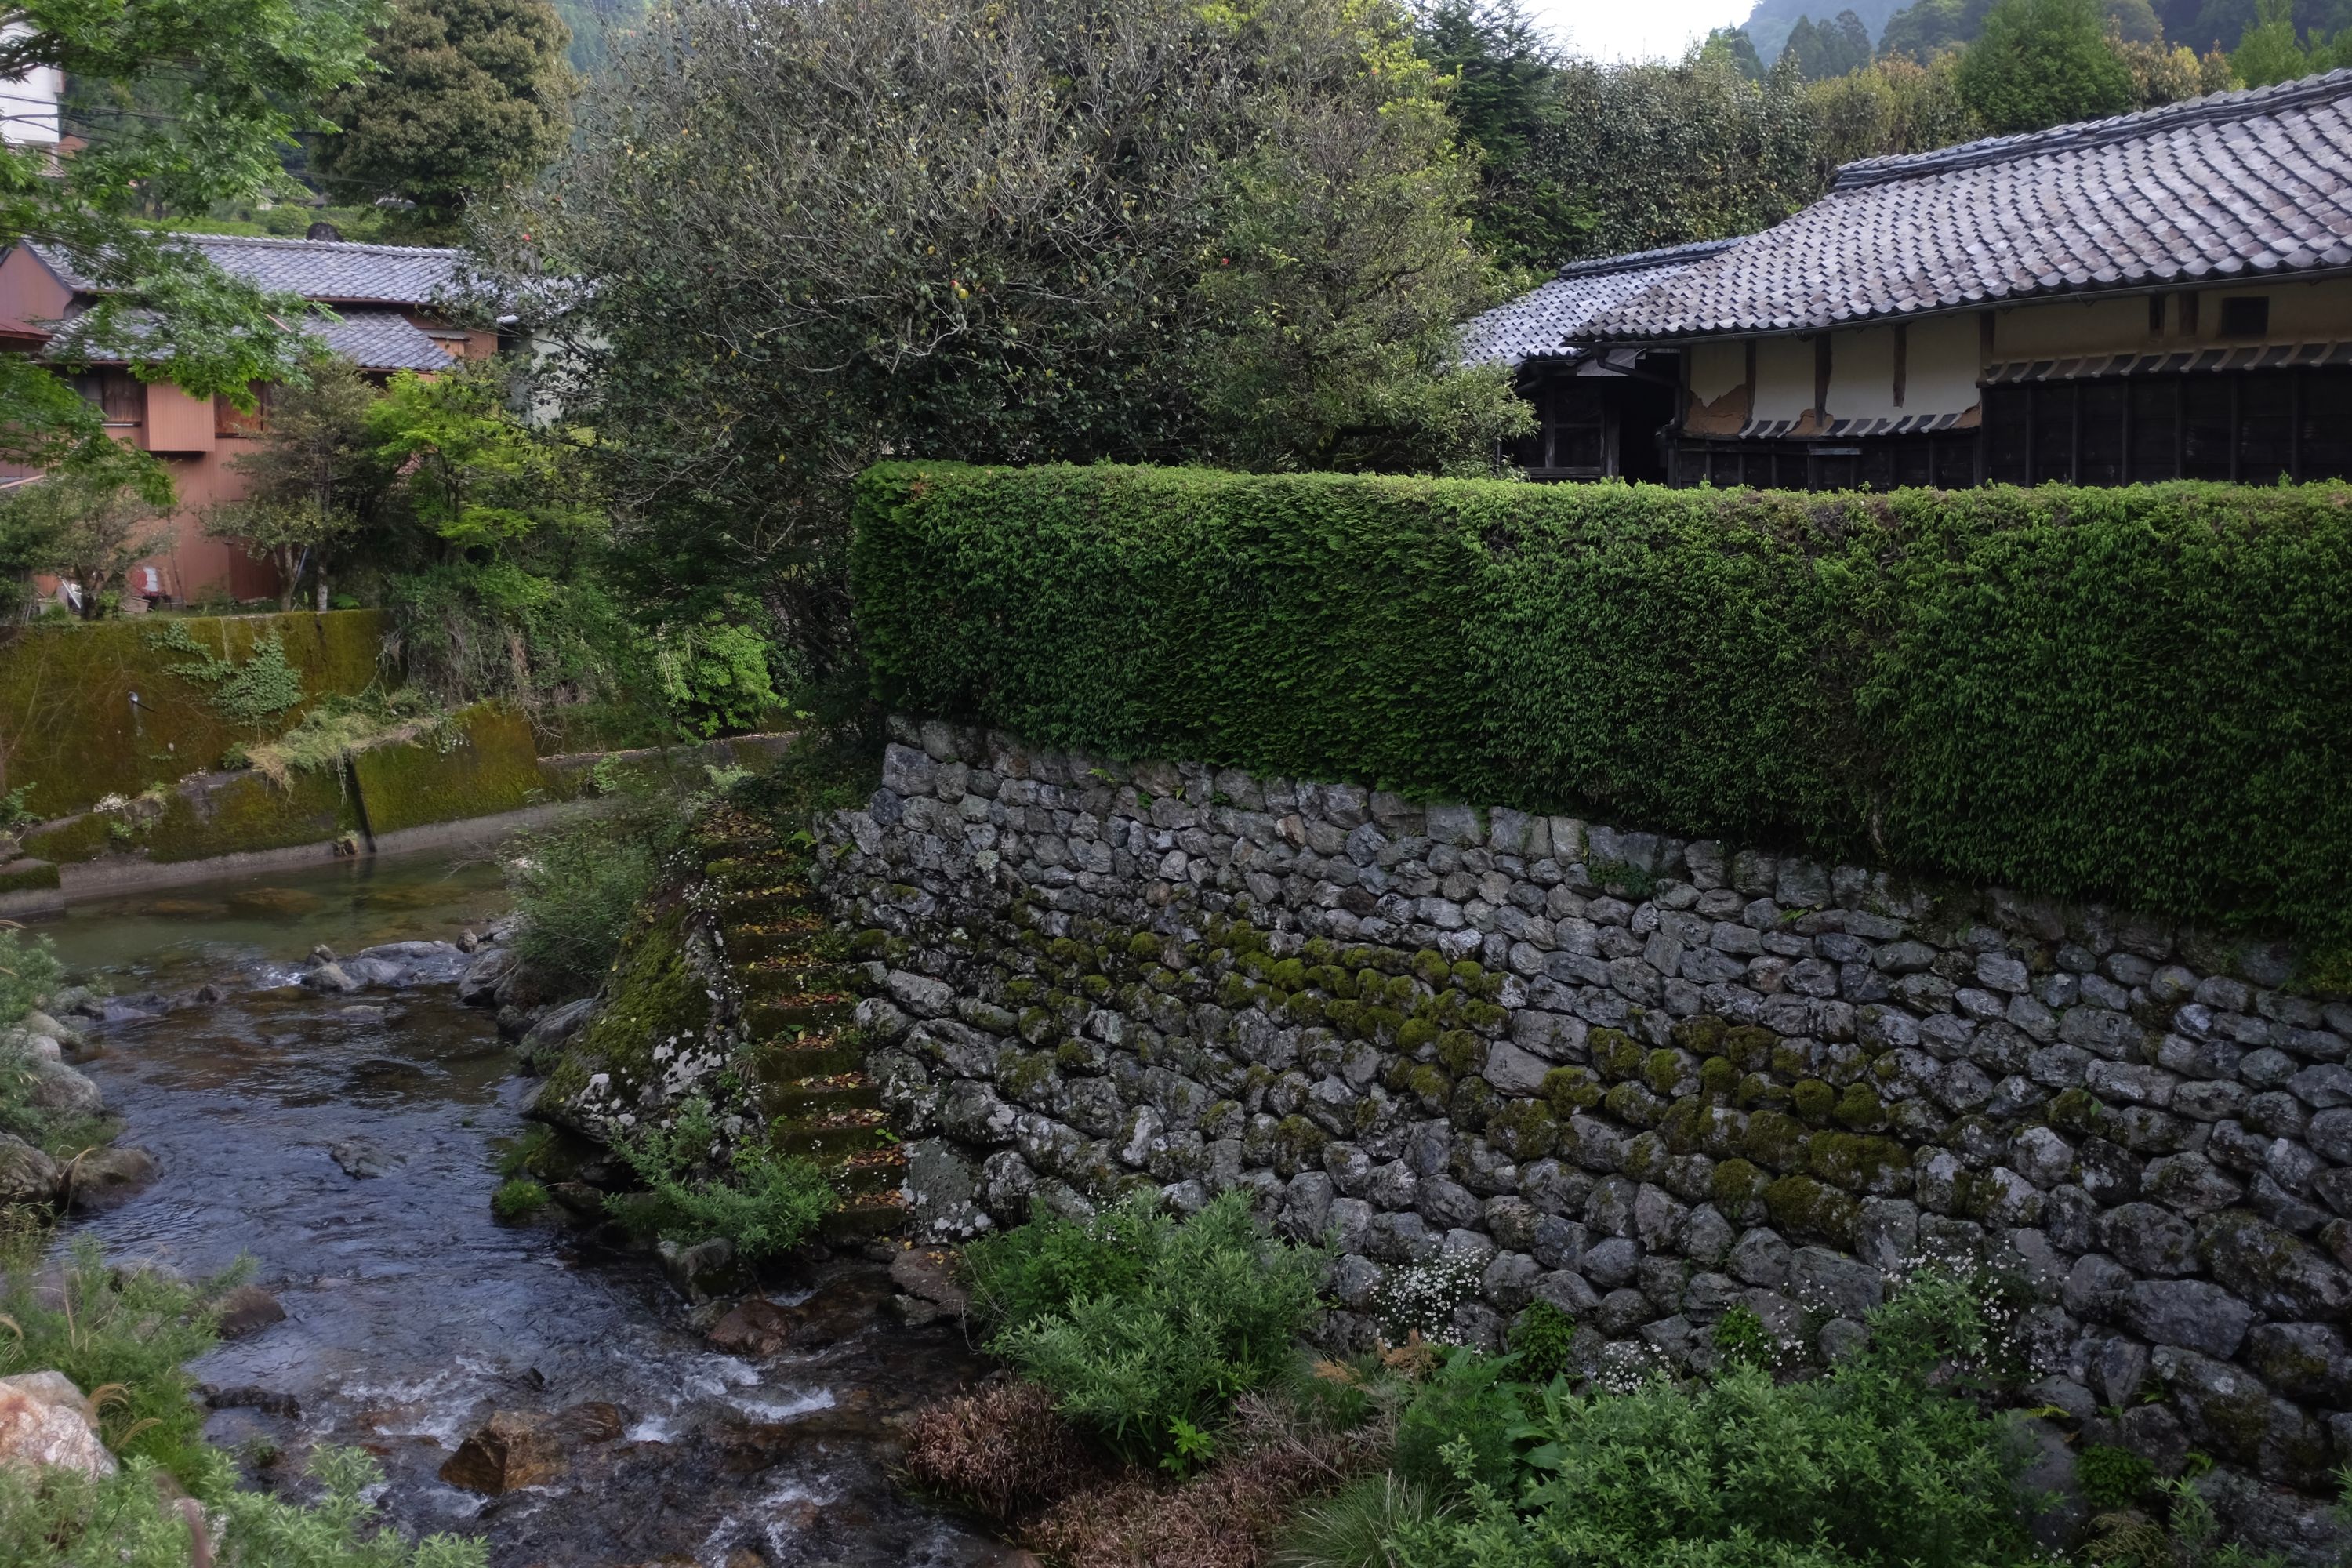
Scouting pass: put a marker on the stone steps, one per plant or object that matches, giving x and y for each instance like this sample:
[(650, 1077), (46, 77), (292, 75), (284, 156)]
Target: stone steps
[(798, 1005)]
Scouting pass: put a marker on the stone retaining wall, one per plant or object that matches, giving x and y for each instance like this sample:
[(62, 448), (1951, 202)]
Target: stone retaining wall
[(1648, 1080)]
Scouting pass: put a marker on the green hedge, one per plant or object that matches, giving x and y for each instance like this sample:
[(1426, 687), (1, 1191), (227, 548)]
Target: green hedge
[(2142, 694), (68, 728)]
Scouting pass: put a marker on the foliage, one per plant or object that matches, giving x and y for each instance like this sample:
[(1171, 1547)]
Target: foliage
[(825, 232), (1142, 1325), (576, 887), (1892, 106), (467, 97), (1502, 68), (518, 1198), (1870, 1464), (2269, 50), (2183, 1532), (715, 672), (29, 970), (2112, 1478), (1830, 48), (1354, 1528), (1542, 1339), (309, 484), (2043, 62), (88, 520), (1001, 1450), (182, 105), (123, 1336), (1460, 1427), (249, 693), (2125, 694), (1419, 1298), (770, 1206)]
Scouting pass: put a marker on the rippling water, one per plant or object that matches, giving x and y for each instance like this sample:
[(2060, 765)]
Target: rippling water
[(411, 1312)]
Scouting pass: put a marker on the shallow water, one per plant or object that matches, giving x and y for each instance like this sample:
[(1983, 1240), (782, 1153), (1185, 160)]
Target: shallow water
[(412, 1313)]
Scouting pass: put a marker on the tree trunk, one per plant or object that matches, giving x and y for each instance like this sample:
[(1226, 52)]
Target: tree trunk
[(320, 576)]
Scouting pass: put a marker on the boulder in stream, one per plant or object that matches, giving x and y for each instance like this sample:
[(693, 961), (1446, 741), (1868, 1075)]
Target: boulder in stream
[(59, 1090), (361, 1160), (46, 1424), (512, 1450), (705, 1270), (26, 1175), (100, 1179), (248, 1309), (478, 987)]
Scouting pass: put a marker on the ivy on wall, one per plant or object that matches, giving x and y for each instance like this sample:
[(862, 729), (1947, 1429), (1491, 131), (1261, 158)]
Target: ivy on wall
[(2142, 694)]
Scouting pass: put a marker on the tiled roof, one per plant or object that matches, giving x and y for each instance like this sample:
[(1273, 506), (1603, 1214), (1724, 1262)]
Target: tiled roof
[(330, 269), (1544, 324), (2235, 186), (380, 340)]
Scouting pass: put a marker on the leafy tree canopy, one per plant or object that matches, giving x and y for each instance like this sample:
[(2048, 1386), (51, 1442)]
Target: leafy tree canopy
[(1831, 47), (2043, 62), (468, 96), (999, 229), (235, 73)]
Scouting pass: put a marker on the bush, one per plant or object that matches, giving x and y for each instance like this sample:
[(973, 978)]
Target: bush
[(1457, 1430), (1002, 1451), (518, 1198), (2140, 694), (1143, 1327), (1872, 1464), (770, 1206), (29, 970), (576, 889), (1542, 1339)]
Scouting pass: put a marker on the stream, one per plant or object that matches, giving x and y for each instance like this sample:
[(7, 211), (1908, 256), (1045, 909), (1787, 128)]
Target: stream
[(412, 1314)]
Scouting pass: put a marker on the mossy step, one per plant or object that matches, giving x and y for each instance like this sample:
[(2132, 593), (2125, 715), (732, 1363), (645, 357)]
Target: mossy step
[(829, 1136), (864, 1217), (750, 906), (782, 1018), (820, 1096), (768, 870), (737, 847), (881, 1169), (808, 1056), (784, 979), (750, 940)]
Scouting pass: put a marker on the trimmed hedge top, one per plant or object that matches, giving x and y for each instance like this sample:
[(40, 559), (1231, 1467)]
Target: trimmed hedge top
[(2142, 694)]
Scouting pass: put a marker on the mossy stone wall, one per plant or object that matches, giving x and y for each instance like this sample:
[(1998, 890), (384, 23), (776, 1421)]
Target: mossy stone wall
[(487, 766), (70, 733), (1643, 1079)]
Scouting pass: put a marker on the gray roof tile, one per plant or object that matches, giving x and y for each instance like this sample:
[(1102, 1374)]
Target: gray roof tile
[(380, 340), (330, 269), (2237, 184), (1542, 323)]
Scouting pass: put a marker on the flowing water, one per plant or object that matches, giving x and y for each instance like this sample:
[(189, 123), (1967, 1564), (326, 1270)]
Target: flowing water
[(412, 1313)]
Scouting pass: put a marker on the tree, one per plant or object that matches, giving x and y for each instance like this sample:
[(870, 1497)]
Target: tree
[(2040, 63), (1892, 106), (2269, 51), (309, 480), (1820, 50), (469, 96), (87, 522), (1733, 46), (235, 73), (1503, 98), (994, 230)]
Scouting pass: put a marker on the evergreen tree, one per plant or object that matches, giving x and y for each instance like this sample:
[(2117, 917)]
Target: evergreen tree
[(1733, 46), (2269, 51), (1503, 100), (2040, 63), (471, 96)]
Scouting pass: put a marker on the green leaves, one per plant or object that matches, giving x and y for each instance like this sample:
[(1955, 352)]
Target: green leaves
[(2133, 694)]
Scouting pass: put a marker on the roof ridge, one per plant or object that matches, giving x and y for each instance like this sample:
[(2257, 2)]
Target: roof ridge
[(1642, 260), (2212, 108), (298, 240)]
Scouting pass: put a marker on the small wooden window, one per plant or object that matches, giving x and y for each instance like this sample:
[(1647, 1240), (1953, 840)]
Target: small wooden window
[(2246, 315), (228, 419), (120, 397)]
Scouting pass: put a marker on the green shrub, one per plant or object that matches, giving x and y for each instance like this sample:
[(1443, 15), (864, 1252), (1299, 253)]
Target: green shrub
[(2112, 1478), (1457, 1431), (1145, 1328), (1543, 1338), (29, 970), (770, 1205), (1869, 1466), (577, 887), (518, 1198), (2138, 693), (1352, 1528)]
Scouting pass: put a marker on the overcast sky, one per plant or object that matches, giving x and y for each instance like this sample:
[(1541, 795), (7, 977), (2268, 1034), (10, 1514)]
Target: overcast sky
[(1636, 29)]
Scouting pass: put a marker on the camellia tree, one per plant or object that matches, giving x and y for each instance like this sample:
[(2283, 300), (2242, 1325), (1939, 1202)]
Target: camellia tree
[(235, 74), (812, 234)]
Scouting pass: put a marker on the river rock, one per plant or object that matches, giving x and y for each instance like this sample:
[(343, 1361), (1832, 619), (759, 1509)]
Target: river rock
[(478, 987), (247, 1310), (361, 1160), (26, 1174), (100, 1179), (555, 1028), (927, 1276), (46, 1424), (60, 1090), (505, 1452), (703, 1270), (331, 977)]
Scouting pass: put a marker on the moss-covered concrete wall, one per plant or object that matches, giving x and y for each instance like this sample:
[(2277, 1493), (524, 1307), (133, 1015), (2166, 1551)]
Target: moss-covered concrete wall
[(71, 734), (485, 765)]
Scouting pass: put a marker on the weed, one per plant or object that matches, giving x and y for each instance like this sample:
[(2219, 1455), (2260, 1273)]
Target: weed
[(768, 1207), (518, 1198)]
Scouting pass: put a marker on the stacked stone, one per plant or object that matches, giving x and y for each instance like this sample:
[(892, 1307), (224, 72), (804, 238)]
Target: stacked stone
[(1646, 1080)]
